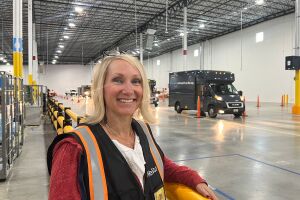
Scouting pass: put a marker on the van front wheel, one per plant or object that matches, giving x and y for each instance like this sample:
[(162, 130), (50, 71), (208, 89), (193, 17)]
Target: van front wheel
[(212, 112), (178, 108)]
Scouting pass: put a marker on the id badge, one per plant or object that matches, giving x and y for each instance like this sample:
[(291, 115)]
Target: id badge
[(160, 194)]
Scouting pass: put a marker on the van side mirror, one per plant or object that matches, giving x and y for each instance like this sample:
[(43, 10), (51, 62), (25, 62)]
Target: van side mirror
[(240, 93)]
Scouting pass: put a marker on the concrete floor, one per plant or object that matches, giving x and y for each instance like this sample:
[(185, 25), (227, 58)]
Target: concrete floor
[(256, 157)]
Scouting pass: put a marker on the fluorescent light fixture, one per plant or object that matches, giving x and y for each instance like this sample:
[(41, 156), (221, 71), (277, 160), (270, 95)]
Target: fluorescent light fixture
[(65, 28), (72, 25), (66, 37), (158, 62), (201, 25), (4, 60), (259, 37), (78, 9), (58, 51), (259, 2), (61, 39), (61, 46), (196, 53), (150, 31), (53, 60), (181, 34), (56, 57)]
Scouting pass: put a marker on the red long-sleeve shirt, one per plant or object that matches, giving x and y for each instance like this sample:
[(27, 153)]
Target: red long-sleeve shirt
[(64, 182)]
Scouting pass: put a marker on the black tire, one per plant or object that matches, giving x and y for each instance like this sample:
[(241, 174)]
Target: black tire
[(178, 109), (202, 113), (212, 112), (236, 115)]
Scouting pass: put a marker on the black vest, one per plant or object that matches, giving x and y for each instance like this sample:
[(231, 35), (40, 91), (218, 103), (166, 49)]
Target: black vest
[(122, 183)]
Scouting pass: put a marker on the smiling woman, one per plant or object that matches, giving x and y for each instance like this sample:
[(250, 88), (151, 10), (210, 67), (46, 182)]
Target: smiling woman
[(114, 155)]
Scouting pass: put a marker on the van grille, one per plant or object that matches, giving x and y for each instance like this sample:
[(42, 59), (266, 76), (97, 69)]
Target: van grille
[(235, 104)]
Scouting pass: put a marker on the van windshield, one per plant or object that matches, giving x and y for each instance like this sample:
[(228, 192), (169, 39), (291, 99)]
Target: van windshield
[(223, 89)]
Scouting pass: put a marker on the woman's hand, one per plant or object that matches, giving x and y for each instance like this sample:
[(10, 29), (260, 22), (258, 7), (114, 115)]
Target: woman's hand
[(205, 191)]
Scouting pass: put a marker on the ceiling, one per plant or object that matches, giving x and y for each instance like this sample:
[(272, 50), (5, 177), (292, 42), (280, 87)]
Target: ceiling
[(106, 25)]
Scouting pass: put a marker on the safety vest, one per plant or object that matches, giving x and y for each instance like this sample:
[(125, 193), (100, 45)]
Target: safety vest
[(97, 178)]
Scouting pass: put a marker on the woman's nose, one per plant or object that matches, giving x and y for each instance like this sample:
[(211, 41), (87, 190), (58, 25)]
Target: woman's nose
[(128, 88)]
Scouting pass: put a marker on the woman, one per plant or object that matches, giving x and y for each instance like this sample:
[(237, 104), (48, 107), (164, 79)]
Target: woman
[(114, 155)]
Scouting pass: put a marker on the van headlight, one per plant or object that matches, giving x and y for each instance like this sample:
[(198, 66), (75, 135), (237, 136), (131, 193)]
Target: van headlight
[(218, 98), (242, 98)]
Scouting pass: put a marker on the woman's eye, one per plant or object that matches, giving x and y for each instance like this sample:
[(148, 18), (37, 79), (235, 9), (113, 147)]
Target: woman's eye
[(136, 81), (117, 80)]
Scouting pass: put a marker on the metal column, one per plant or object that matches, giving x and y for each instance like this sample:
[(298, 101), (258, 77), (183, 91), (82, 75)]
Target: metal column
[(30, 42), (296, 107), (17, 38), (141, 48), (184, 52)]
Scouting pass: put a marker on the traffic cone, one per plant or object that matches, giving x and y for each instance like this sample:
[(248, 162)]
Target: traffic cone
[(258, 103)]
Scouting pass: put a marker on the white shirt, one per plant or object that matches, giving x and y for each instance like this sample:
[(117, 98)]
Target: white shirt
[(134, 158)]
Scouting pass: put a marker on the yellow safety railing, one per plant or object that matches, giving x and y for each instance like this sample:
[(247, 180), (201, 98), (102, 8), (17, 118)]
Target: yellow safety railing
[(62, 117)]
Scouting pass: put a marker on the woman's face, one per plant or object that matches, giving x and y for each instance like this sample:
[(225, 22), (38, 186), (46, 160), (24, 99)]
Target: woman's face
[(123, 89)]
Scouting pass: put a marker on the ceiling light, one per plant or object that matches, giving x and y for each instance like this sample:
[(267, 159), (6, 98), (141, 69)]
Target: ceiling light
[(79, 9), (61, 39), (66, 28), (181, 34), (72, 25), (259, 2), (53, 60), (56, 57), (58, 51), (156, 44), (61, 46), (66, 37), (201, 25), (4, 60)]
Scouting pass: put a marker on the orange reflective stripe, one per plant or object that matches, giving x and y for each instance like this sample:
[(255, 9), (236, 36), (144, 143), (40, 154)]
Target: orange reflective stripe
[(158, 166), (100, 162), (153, 149), (91, 185)]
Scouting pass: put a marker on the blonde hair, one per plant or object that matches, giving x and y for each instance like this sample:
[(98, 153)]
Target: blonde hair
[(99, 76)]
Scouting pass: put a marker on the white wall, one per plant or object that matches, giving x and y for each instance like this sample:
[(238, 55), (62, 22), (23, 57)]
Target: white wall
[(62, 78), (259, 67)]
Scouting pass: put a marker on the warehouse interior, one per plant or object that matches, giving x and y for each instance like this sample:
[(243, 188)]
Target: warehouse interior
[(49, 49)]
